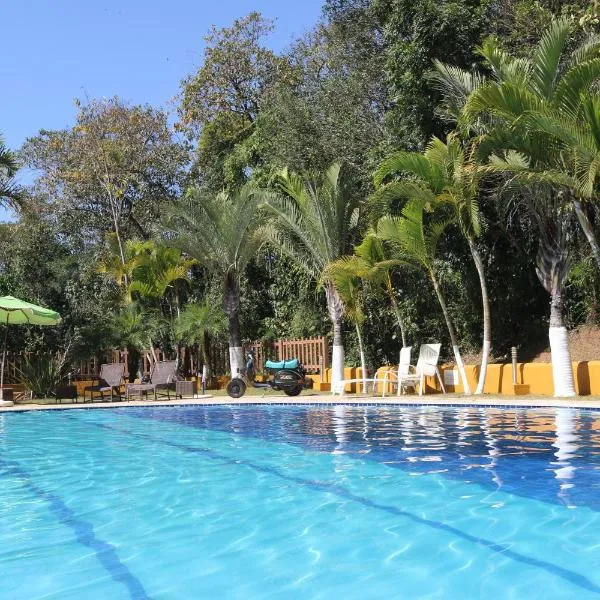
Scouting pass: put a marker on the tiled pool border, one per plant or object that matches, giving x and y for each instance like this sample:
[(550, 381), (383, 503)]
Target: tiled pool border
[(470, 402)]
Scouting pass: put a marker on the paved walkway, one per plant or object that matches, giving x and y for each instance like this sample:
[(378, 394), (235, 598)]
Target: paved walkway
[(433, 400)]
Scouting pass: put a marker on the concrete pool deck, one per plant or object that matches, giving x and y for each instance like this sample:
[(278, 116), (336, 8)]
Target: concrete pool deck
[(329, 400)]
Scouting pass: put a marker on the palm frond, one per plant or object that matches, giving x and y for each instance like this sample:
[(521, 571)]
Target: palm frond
[(413, 163), (455, 85), (547, 56), (574, 83)]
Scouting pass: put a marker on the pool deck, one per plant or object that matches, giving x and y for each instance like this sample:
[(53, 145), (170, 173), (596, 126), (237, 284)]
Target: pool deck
[(329, 400)]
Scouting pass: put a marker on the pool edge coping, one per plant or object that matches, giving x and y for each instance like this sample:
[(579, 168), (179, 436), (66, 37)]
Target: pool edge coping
[(327, 401)]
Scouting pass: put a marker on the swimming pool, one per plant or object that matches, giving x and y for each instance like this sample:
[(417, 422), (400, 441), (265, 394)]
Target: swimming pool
[(299, 502)]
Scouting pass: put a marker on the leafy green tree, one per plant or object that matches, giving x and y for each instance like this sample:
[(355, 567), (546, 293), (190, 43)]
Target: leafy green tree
[(113, 171), (116, 262), (416, 32), (221, 232), (533, 103), (518, 112), (375, 266), (38, 265), (315, 221), (158, 271), (220, 103), (334, 108), (536, 108)]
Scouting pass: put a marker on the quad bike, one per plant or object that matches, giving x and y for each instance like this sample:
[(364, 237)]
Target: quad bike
[(287, 376)]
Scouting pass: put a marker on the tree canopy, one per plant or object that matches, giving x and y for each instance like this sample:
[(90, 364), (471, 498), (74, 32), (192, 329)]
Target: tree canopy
[(465, 141)]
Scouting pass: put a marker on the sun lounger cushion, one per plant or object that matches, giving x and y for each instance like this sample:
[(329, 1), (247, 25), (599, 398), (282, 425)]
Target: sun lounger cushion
[(282, 364)]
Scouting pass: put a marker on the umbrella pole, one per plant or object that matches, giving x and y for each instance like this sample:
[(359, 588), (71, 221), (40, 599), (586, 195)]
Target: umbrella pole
[(3, 356)]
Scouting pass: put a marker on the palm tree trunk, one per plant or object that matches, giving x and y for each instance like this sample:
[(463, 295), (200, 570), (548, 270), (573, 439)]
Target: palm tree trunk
[(587, 229), (396, 310), (553, 266), (452, 333), (335, 308), (562, 368), (487, 321), (205, 349), (363, 362), (231, 305), (236, 354)]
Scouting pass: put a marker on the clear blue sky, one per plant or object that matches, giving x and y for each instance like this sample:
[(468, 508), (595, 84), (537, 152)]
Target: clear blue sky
[(56, 50)]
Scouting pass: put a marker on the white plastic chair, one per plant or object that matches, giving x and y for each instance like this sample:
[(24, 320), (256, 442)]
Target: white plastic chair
[(384, 380), (429, 355), (403, 370)]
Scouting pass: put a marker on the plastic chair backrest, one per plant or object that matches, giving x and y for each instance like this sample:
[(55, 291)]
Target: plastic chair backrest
[(112, 373), (163, 372), (404, 363), (429, 354)]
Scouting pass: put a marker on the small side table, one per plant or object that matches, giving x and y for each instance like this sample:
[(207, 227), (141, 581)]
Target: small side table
[(68, 392), (185, 388), (140, 389)]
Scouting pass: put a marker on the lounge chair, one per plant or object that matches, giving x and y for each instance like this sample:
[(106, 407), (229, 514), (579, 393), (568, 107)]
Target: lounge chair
[(403, 366), (109, 382), (162, 376), (429, 355)]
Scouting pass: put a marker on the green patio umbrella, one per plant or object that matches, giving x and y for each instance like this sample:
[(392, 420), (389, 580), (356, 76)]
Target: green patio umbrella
[(18, 312)]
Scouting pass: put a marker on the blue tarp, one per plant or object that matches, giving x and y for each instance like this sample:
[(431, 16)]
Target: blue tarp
[(282, 364)]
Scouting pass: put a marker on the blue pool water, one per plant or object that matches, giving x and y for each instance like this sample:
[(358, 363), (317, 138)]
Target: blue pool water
[(299, 502)]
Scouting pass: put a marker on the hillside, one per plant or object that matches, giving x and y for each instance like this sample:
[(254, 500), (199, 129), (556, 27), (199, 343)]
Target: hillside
[(584, 342)]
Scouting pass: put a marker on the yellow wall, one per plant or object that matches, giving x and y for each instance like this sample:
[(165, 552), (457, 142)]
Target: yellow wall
[(538, 376), (499, 380)]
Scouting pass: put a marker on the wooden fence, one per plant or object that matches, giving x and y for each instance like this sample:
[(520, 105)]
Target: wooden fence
[(313, 353)]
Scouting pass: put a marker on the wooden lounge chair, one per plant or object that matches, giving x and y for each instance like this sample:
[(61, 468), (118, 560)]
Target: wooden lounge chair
[(429, 355), (383, 379), (109, 382), (162, 376)]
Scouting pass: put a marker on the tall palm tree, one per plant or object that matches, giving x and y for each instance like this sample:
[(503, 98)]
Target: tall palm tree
[(443, 175), (414, 237), (545, 107), (221, 233), (9, 192), (538, 121), (554, 261), (315, 220), (347, 283)]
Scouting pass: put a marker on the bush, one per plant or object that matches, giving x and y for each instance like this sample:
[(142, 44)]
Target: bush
[(41, 374)]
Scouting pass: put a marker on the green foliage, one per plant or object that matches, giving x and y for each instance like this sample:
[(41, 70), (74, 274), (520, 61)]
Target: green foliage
[(220, 103), (356, 90), (42, 373), (113, 171), (9, 191), (315, 218), (198, 320), (136, 328), (417, 33)]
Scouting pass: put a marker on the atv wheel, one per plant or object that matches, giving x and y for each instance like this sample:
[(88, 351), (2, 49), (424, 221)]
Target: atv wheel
[(236, 388), (293, 391)]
